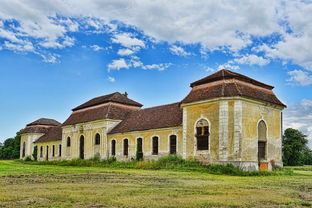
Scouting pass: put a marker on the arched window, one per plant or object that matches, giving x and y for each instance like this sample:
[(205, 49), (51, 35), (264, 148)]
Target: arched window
[(41, 151), (262, 137), (126, 147), (60, 150), (24, 149), (53, 150), (173, 144), (139, 150), (97, 139), (68, 142), (113, 147), (202, 134), (155, 145)]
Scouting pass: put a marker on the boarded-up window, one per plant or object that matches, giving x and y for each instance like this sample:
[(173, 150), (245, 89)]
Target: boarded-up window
[(97, 139), (202, 134), (53, 150), (173, 144), (60, 150), (261, 150), (155, 145), (126, 147), (113, 147), (68, 142), (262, 131)]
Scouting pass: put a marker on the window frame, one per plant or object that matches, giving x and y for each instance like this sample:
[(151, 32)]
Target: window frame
[(97, 139), (68, 142), (202, 135)]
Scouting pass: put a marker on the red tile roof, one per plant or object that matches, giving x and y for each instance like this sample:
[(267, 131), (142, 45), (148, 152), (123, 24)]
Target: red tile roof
[(225, 83), (108, 111), (227, 74), (151, 118), (114, 97), (53, 134), (41, 125), (44, 122)]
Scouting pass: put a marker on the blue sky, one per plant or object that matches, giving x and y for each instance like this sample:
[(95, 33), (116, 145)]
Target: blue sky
[(56, 55)]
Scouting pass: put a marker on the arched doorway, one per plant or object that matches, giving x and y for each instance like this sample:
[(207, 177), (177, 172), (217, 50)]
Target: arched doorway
[(262, 142), (47, 155), (81, 147), (24, 149), (139, 153)]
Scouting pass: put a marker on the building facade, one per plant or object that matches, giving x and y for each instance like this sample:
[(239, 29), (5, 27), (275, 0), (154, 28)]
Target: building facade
[(226, 118)]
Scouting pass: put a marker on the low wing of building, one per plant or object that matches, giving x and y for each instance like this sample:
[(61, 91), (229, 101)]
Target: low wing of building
[(226, 118)]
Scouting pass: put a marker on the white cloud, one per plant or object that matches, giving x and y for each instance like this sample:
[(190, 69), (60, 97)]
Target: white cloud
[(300, 78), (228, 66), (96, 47), (179, 51), (159, 67), (125, 52), (209, 69), (215, 25), (26, 46), (118, 64), (126, 40), (111, 79), (50, 58), (251, 59), (299, 116)]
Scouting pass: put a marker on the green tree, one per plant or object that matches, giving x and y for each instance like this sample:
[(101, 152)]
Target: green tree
[(11, 148), (294, 147)]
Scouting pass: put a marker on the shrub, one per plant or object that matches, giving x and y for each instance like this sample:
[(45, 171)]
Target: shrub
[(28, 158), (171, 162)]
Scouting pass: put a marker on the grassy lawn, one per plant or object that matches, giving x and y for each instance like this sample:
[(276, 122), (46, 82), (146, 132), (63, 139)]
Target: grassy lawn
[(24, 185)]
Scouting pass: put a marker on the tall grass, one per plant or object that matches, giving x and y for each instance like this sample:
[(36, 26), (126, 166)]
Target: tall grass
[(171, 162)]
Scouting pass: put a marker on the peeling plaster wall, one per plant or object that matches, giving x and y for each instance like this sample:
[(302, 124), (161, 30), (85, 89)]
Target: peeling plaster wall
[(252, 114), (29, 140), (88, 130), (193, 113), (163, 142), (44, 146)]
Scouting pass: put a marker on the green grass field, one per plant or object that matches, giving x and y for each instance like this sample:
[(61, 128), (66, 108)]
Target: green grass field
[(25, 185)]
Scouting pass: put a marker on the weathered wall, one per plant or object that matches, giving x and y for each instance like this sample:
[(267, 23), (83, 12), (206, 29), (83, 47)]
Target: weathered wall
[(29, 140), (88, 130), (253, 113), (49, 155), (163, 142), (192, 114)]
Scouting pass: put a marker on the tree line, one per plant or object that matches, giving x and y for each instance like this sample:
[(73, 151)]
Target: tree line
[(295, 148)]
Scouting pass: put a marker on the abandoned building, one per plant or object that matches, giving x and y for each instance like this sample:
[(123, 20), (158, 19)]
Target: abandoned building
[(226, 118)]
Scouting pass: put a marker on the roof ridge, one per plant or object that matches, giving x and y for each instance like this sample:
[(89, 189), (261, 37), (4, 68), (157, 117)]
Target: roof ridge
[(159, 106)]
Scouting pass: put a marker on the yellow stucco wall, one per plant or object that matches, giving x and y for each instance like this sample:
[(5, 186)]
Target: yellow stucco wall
[(163, 142), (49, 155), (209, 111), (28, 139), (88, 130), (271, 115)]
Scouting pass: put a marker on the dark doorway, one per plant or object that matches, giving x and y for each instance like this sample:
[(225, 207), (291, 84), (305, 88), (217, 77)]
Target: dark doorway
[(261, 150), (139, 149), (173, 144), (47, 155), (24, 149), (113, 147), (81, 155)]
